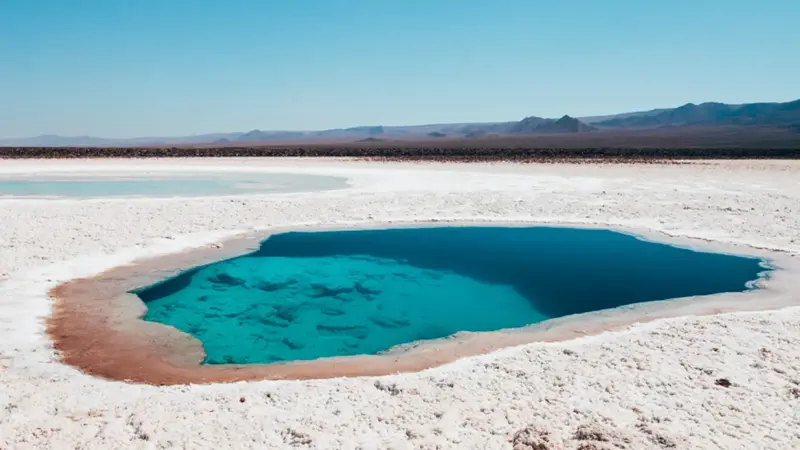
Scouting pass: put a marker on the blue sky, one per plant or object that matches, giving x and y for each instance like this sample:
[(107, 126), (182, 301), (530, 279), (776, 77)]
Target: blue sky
[(122, 68)]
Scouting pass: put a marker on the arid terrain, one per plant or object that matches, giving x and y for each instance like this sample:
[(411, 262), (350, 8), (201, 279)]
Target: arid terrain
[(723, 381), (699, 143)]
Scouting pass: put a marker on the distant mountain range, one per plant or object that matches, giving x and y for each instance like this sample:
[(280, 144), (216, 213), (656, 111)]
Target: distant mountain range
[(774, 114), (784, 116)]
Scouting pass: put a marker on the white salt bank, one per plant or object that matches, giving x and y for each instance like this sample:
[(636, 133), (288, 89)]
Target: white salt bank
[(728, 380)]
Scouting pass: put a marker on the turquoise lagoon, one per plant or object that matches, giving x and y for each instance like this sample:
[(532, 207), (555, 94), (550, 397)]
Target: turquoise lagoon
[(307, 295)]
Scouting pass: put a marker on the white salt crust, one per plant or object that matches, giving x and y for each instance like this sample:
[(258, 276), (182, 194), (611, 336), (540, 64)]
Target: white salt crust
[(649, 386)]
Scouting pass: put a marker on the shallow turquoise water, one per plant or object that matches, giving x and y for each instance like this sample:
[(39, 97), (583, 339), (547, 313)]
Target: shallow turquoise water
[(168, 186), (309, 295)]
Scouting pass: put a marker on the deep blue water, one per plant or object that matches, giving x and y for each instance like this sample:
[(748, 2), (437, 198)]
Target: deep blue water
[(306, 295)]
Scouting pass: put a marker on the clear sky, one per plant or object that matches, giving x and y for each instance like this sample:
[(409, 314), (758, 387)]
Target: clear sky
[(123, 68)]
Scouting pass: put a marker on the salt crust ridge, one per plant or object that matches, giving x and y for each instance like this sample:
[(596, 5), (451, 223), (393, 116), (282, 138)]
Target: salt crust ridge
[(655, 385)]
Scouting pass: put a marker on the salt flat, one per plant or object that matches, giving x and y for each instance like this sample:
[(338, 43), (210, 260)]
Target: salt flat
[(650, 386)]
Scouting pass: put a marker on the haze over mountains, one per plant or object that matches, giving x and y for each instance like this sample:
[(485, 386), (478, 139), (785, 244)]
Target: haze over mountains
[(785, 116)]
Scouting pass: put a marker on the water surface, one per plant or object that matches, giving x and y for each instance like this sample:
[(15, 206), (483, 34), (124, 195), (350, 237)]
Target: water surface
[(306, 295), (166, 185)]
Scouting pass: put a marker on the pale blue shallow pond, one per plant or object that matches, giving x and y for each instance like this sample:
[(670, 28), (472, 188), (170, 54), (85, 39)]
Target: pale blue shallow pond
[(306, 295), (165, 185)]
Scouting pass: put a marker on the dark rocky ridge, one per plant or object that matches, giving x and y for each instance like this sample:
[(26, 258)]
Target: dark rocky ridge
[(712, 113), (565, 124), (427, 153), (527, 125), (533, 125)]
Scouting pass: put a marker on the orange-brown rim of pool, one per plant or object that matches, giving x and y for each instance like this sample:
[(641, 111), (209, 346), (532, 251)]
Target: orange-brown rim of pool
[(96, 326)]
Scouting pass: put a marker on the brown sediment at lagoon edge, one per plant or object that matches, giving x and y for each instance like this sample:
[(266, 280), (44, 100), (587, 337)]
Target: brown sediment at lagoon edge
[(96, 326)]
